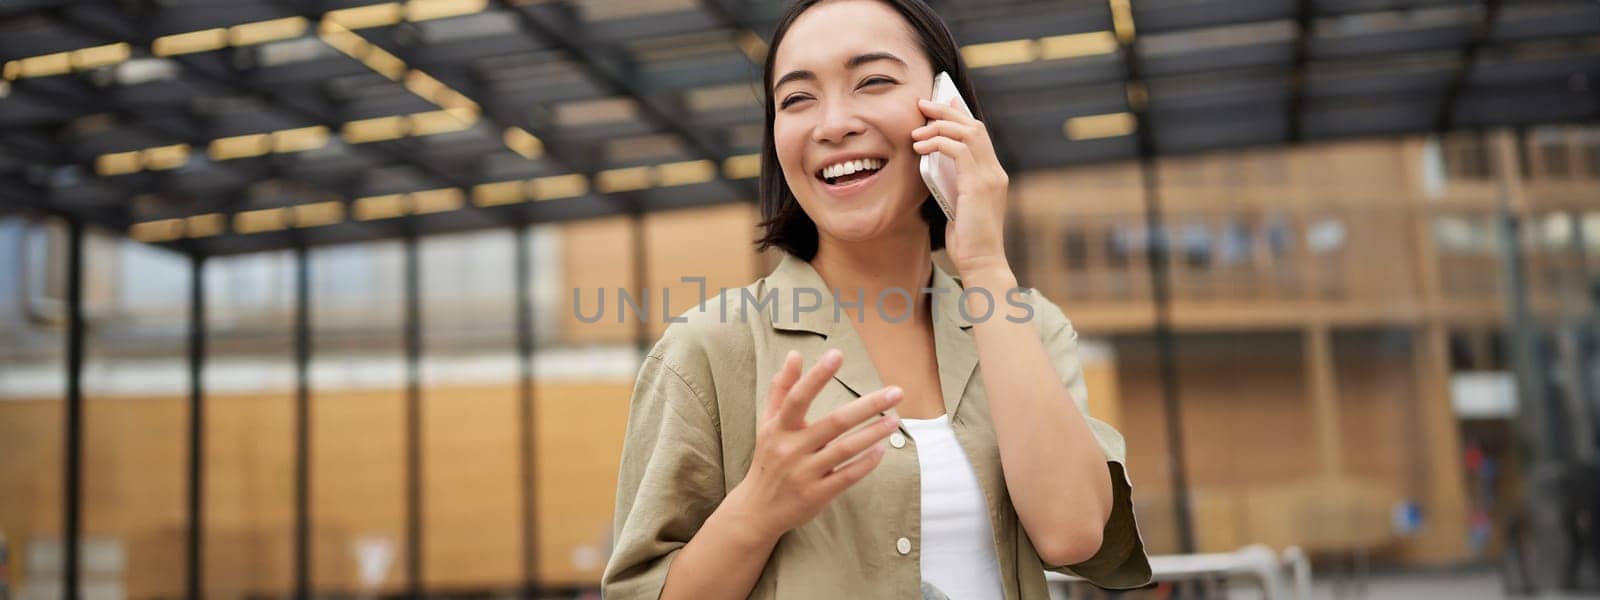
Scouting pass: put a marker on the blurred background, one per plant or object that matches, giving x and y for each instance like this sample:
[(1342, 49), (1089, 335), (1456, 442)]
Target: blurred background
[(287, 286)]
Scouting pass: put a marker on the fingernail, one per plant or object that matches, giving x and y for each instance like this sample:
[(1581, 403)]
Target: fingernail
[(892, 421), (893, 394)]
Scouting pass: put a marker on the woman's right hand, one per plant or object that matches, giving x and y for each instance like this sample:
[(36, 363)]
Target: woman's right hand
[(796, 469)]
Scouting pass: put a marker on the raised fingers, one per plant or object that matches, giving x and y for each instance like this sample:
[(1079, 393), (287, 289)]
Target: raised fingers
[(853, 443), (845, 417), (793, 412), (781, 382), (947, 112), (943, 145), (950, 129), (847, 475)]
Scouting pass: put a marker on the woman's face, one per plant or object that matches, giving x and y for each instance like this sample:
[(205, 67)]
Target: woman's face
[(847, 77)]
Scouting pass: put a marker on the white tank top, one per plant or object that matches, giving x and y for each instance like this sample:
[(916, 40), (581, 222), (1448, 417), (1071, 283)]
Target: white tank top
[(957, 540)]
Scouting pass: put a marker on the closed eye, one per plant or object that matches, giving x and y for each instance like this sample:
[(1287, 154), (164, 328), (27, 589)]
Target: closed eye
[(798, 97)]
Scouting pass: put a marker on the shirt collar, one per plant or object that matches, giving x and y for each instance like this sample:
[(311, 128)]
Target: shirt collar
[(956, 352), (795, 273)]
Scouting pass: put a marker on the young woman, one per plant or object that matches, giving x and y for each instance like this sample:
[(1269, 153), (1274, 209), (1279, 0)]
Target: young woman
[(744, 475)]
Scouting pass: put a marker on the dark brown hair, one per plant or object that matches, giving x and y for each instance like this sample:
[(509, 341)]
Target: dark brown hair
[(784, 223)]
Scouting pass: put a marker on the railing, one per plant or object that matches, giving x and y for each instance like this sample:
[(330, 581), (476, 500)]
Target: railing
[(1278, 576)]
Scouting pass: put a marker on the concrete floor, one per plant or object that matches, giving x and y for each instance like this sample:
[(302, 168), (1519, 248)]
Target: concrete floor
[(1475, 584), (1469, 585)]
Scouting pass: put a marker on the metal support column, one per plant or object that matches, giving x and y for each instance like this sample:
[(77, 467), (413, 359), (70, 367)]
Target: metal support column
[(526, 422), (413, 433), (641, 280), (197, 419), (73, 511), (1156, 254), (302, 424)]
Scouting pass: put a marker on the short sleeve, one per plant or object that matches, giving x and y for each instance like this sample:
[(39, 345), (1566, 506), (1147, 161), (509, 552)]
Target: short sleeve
[(670, 481), (1121, 562)]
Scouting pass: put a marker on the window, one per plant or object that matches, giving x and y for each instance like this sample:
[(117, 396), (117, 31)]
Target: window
[(1196, 245), (1116, 250), (1076, 249), (1553, 155), (1280, 236), (1235, 243)]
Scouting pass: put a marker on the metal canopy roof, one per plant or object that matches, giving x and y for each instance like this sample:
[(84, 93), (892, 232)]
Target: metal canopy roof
[(229, 126)]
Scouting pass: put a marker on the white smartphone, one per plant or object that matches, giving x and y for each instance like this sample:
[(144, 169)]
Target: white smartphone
[(938, 170)]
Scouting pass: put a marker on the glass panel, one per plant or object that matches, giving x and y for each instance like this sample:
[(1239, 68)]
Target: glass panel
[(32, 386), (471, 472), (583, 378), (135, 420), (358, 455), (250, 439)]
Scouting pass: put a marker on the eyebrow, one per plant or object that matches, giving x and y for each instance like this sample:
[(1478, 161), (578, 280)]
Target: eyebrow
[(855, 61)]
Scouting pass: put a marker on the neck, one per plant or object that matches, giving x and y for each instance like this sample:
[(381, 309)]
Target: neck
[(860, 271)]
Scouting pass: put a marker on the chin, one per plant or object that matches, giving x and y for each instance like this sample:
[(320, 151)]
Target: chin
[(855, 228), (870, 223)]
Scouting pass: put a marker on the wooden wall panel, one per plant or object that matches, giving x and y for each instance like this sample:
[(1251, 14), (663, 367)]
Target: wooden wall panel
[(714, 242), (1247, 428), (134, 486), (595, 255), (472, 496), (581, 427), (358, 484), (31, 439), (471, 499), (249, 495)]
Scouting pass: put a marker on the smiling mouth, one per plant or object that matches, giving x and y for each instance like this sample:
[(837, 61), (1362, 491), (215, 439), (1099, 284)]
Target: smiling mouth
[(850, 171)]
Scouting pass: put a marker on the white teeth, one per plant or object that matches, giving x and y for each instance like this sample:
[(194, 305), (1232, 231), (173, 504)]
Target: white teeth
[(851, 166)]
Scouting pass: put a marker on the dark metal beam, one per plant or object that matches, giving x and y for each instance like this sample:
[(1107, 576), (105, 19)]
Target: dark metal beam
[(302, 424), (641, 279), (160, 182), (72, 512), (556, 23), (413, 420), (1297, 71), (728, 14), (194, 575), (231, 79), (555, 149), (217, 71), (1469, 57), (527, 423), (15, 191), (1158, 263)]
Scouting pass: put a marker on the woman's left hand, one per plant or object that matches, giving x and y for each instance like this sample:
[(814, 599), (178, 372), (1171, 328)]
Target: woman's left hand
[(975, 239)]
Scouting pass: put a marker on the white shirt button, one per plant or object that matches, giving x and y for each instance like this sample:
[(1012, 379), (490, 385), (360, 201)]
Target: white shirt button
[(897, 440), (903, 545)]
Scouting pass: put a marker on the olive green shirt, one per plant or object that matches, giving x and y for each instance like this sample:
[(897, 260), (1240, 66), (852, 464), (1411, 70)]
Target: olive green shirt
[(692, 429)]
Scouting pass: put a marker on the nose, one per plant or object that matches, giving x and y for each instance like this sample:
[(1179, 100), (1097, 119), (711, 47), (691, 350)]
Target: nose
[(839, 120)]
